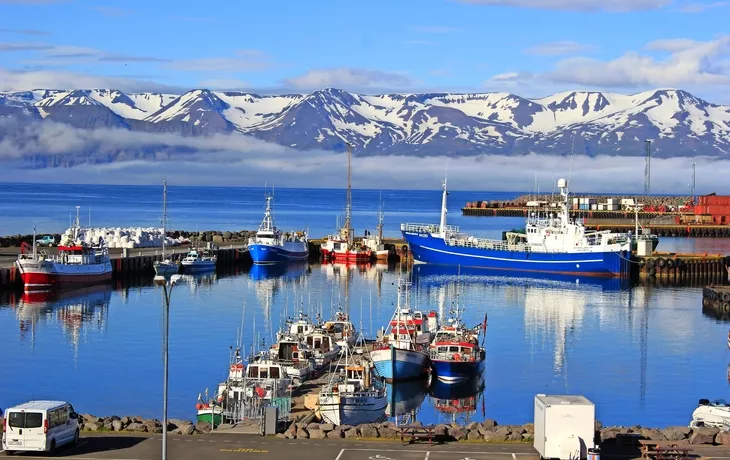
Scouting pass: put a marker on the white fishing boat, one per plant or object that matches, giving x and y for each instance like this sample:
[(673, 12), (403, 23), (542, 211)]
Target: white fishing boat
[(195, 260), (711, 413), (352, 397), (294, 357), (324, 347), (165, 266), (375, 242), (341, 328)]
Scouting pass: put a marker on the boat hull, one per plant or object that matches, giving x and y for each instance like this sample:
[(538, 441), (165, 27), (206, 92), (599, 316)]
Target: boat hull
[(455, 372), (212, 416), (268, 254), (199, 266), (166, 269), (427, 248), (352, 409), (52, 274), (347, 256), (409, 364)]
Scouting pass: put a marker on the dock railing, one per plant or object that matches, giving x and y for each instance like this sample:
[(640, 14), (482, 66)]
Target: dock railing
[(428, 228)]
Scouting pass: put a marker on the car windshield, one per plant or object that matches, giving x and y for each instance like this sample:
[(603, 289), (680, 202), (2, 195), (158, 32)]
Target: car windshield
[(25, 419)]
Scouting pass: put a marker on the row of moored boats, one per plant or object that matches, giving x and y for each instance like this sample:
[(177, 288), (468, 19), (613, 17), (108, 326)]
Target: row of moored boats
[(413, 345)]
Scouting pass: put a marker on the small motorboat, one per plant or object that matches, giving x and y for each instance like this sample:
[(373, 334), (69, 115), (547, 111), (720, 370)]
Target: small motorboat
[(711, 413)]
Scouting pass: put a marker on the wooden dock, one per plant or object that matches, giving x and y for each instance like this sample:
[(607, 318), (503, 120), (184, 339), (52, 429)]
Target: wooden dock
[(716, 301)]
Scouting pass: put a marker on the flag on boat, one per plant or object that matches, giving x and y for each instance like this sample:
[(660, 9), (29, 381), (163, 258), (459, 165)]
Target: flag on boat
[(484, 324)]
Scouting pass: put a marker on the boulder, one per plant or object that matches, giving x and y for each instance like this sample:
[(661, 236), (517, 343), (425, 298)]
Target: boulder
[(302, 433), (441, 430), (186, 428), (317, 434), (499, 434), (291, 432), (652, 433), (140, 428), (203, 426), (608, 434), (352, 433), (676, 433), (528, 428), (723, 438), (227, 235), (514, 436), (474, 435), (458, 433), (337, 433), (368, 431), (473, 426), (344, 428), (516, 429), (117, 425), (388, 433), (153, 426), (489, 424), (704, 435), (313, 426), (326, 427), (92, 426)]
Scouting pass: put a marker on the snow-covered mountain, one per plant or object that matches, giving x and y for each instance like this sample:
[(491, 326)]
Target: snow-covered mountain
[(679, 123)]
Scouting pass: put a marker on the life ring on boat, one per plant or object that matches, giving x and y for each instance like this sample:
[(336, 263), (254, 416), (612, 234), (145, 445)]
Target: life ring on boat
[(457, 357), (200, 406), (260, 392)]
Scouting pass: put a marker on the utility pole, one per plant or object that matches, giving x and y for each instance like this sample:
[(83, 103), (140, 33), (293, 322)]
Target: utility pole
[(694, 192), (647, 168)]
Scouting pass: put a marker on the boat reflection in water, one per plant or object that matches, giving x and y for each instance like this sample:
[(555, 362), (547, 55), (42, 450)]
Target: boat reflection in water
[(457, 403), (405, 399), (288, 271), (430, 274), (78, 310)]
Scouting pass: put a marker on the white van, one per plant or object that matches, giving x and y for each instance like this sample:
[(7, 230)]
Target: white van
[(40, 426)]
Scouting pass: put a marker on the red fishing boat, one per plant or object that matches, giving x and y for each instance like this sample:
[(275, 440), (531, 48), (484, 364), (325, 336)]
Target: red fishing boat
[(75, 263)]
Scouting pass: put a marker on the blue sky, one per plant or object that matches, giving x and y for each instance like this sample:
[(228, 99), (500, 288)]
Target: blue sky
[(529, 47)]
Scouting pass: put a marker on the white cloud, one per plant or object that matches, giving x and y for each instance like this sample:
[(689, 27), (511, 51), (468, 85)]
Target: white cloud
[(578, 5), (16, 80), (21, 46), (348, 78), (31, 2), (702, 7), (32, 32), (559, 48), (242, 61), (224, 84), (687, 64), (671, 45)]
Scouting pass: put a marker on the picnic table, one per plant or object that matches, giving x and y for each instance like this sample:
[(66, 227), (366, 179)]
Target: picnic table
[(413, 432), (664, 450)]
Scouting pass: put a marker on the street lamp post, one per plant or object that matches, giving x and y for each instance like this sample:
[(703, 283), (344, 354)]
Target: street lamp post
[(167, 293)]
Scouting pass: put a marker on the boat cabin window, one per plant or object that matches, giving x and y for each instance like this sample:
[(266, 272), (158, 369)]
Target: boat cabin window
[(300, 329), (275, 373), (310, 341), (264, 372), (454, 349)]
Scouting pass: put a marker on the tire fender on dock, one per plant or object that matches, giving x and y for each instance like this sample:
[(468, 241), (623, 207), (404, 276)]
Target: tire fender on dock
[(650, 270), (726, 296), (661, 263), (642, 262), (670, 263)]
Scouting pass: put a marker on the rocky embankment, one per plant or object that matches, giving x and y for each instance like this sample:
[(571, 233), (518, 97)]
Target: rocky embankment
[(487, 431)]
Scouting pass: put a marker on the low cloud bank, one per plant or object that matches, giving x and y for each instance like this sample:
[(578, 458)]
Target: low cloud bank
[(238, 160), (321, 169)]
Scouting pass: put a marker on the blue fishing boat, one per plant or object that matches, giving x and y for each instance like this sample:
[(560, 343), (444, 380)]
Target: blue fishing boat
[(552, 243), (455, 353), (402, 353), (270, 245)]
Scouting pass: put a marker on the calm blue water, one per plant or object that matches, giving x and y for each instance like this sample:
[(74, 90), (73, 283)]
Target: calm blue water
[(644, 355)]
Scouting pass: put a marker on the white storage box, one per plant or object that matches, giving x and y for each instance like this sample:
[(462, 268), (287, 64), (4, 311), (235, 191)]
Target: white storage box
[(564, 426)]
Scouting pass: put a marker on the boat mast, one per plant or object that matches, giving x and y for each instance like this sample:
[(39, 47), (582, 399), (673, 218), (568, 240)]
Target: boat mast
[(348, 206), (77, 223), (442, 225), (380, 222), (164, 217)]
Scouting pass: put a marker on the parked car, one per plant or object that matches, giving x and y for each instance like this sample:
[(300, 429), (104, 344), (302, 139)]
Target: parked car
[(47, 240), (40, 426)]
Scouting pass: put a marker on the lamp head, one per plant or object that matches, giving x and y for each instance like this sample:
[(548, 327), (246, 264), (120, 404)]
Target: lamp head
[(160, 280), (175, 279)]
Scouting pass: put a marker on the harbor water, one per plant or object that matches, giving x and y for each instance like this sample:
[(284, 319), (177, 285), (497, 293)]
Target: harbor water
[(643, 354)]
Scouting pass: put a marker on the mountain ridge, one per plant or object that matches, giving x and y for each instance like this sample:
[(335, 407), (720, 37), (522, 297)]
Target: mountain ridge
[(420, 124)]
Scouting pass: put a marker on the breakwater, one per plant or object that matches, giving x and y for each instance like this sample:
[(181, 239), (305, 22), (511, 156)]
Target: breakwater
[(487, 431)]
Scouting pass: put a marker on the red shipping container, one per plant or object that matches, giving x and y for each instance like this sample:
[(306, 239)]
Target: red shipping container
[(717, 200)]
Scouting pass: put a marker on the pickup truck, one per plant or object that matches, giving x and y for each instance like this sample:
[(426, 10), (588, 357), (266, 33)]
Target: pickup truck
[(47, 240)]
